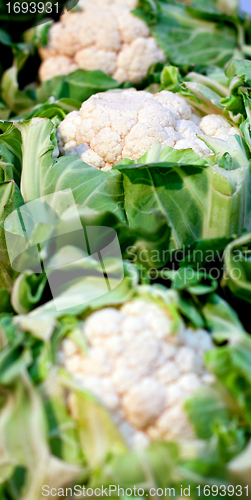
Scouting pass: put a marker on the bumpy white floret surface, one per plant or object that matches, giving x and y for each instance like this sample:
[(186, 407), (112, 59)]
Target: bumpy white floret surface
[(217, 126), (104, 35), (140, 370), (114, 125)]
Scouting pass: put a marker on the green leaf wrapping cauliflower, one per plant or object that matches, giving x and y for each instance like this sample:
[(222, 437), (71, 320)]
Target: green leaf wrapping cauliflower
[(125, 124), (141, 363), (104, 35)]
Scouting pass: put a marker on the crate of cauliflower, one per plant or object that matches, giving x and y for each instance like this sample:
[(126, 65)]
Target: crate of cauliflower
[(143, 390)]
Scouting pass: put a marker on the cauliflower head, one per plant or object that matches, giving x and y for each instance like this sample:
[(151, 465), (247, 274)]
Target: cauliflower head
[(114, 125), (141, 368), (103, 35)]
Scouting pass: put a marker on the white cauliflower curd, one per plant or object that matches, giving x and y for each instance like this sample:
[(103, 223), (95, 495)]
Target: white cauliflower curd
[(114, 125), (141, 369), (103, 35)]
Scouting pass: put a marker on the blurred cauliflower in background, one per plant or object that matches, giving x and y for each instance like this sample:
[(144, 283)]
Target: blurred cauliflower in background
[(125, 124), (103, 35), (141, 363)]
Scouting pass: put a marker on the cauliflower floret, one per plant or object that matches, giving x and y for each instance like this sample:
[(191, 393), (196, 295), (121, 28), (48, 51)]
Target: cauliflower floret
[(140, 370), (115, 125), (197, 145), (93, 159), (66, 131), (143, 402), (187, 129), (55, 66), (105, 35), (89, 58), (217, 126), (64, 37), (156, 114), (174, 103), (142, 137), (128, 30), (134, 59)]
